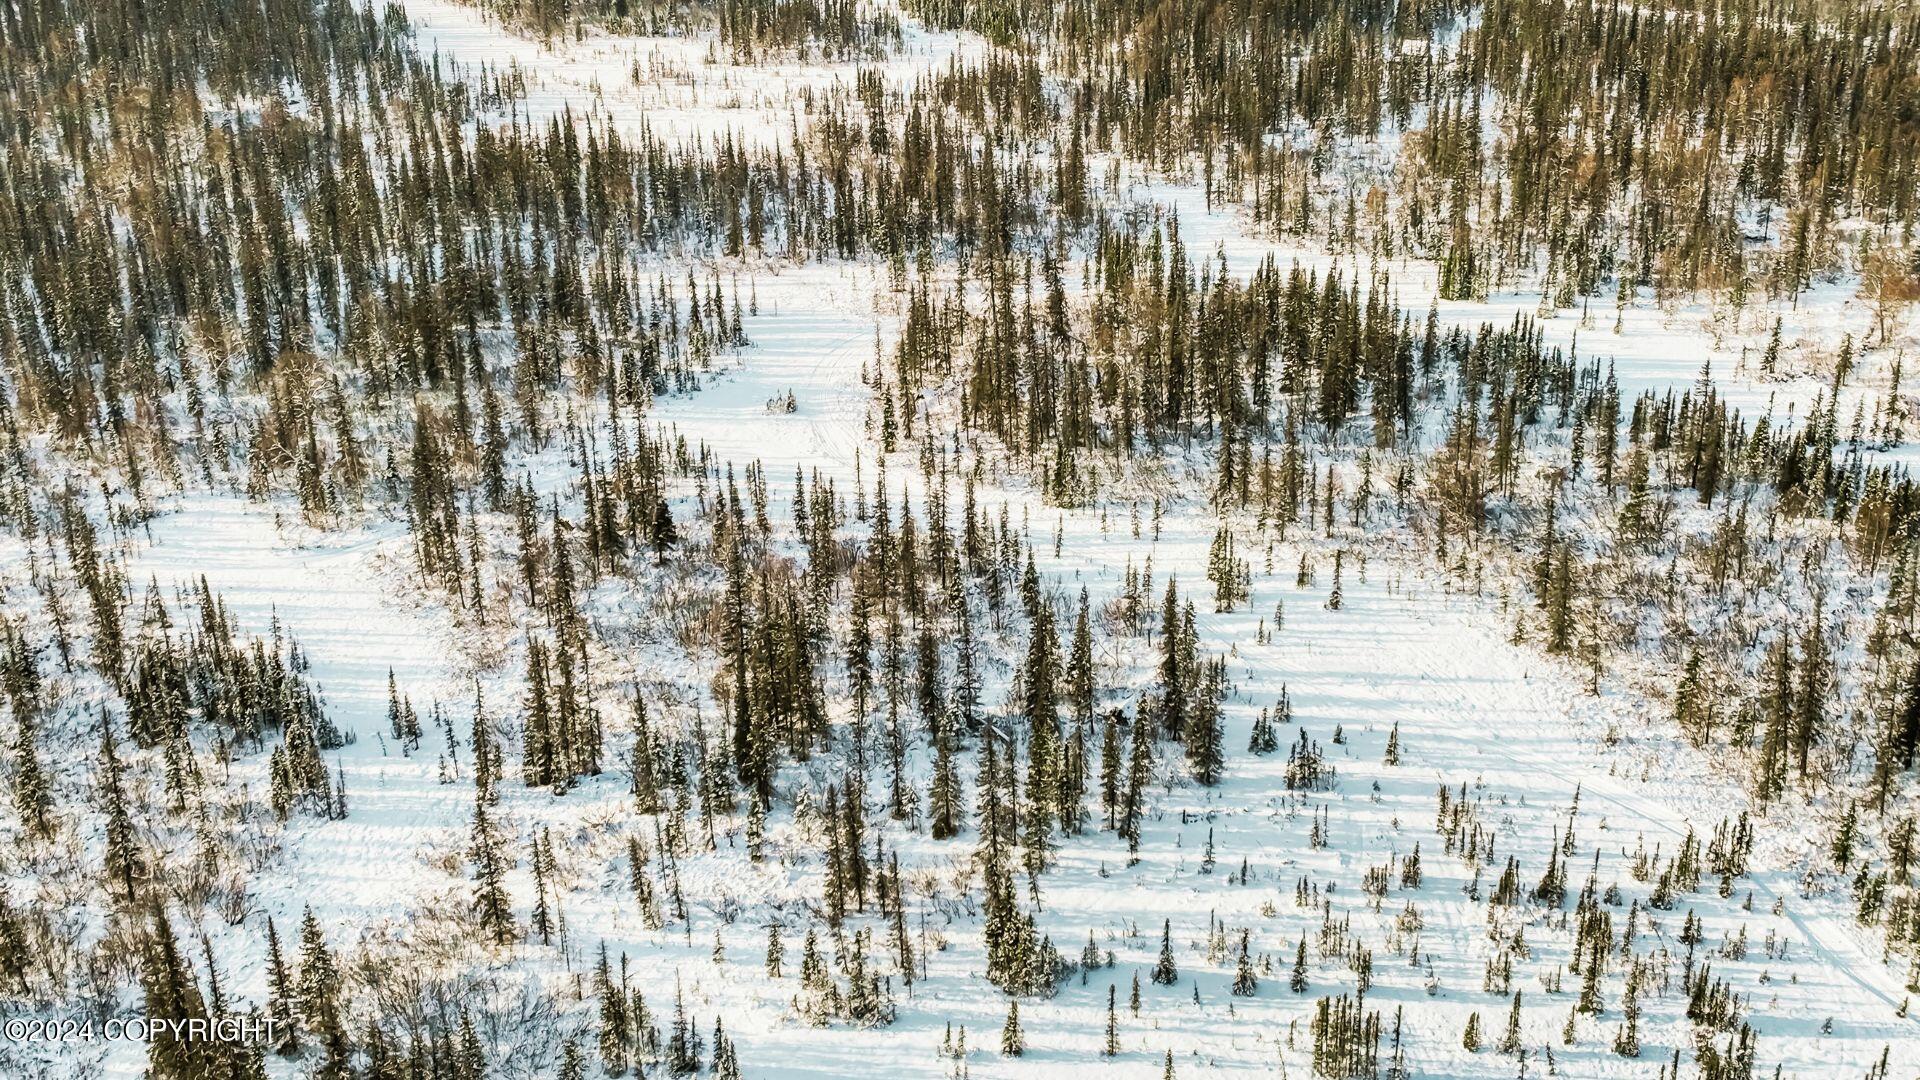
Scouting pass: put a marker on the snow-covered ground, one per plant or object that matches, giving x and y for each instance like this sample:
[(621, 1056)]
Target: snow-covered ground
[(1408, 647), (1658, 349), (676, 88), (336, 594), (1403, 649), (817, 326), (681, 89)]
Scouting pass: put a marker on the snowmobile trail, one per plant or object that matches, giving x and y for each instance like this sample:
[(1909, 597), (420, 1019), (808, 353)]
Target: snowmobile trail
[(334, 599), (1545, 694)]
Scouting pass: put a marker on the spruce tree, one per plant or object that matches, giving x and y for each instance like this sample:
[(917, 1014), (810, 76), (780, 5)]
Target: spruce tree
[(125, 868), (15, 950), (1164, 971), (1245, 984), (1111, 1048), (491, 908), (318, 994), (172, 995), (1510, 1042), (281, 996), (32, 792)]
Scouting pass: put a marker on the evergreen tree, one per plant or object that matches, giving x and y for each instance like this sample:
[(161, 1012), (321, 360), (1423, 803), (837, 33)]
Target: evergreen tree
[(1245, 984), (1510, 1042), (1164, 971), (32, 792), (1111, 1048), (1012, 1042), (172, 996), (125, 867), (15, 950), (318, 995), (485, 854), (281, 995)]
